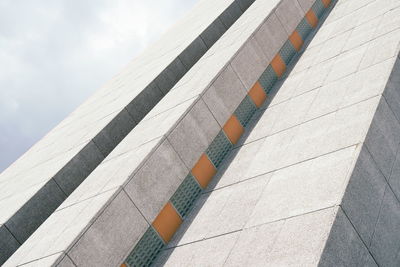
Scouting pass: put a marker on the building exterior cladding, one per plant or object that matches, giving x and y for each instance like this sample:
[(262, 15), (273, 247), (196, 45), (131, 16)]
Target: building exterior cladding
[(277, 146)]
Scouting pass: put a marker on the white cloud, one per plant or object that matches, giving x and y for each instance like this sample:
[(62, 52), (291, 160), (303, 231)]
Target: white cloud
[(54, 54)]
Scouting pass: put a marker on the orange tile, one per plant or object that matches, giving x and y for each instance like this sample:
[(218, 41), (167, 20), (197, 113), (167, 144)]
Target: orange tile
[(326, 2), (204, 171), (312, 18), (296, 40), (123, 265), (257, 94), (233, 129), (278, 65), (167, 222)]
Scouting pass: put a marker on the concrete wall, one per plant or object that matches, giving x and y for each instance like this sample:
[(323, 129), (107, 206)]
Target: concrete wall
[(306, 177), (36, 184), (314, 181), (129, 189)]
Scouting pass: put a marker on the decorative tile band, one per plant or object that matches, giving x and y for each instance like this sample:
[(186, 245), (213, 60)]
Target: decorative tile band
[(174, 212), (186, 195), (146, 250), (245, 111)]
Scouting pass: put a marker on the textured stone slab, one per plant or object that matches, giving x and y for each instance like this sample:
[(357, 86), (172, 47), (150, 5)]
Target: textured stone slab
[(156, 181), (299, 189), (81, 229), (344, 246)]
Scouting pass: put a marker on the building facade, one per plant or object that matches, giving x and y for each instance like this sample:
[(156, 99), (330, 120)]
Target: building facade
[(254, 133)]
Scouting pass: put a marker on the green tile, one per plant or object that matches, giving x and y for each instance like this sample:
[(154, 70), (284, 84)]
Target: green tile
[(268, 79), (304, 29), (245, 110), (186, 195), (318, 8), (287, 52), (218, 149), (146, 250)]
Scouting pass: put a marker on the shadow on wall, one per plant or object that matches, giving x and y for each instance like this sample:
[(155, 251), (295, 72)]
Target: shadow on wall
[(368, 221)]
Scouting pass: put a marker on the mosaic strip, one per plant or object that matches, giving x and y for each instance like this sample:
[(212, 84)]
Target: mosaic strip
[(319, 8), (146, 250), (186, 195), (287, 52), (268, 79), (218, 149), (204, 170), (304, 29), (245, 111)]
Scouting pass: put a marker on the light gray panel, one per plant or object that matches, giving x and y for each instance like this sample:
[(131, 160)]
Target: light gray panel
[(271, 36), (62, 229), (156, 181), (250, 63), (254, 244), (301, 239), (236, 166), (194, 133), (289, 13), (224, 95), (239, 206), (111, 236), (304, 187), (208, 252)]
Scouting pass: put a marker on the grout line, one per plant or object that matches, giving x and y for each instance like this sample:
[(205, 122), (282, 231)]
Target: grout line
[(95, 217), (44, 257), (66, 255), (359, 236), (85, 199), (253, 226), (293, 216), (204, 239), (129, 197), (11, 233), (307, 121), (380, 171), (379, 214), (62, 191), (288, 166)]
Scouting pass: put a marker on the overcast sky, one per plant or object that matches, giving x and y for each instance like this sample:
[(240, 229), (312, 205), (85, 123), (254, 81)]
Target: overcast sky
[(56, 53)]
